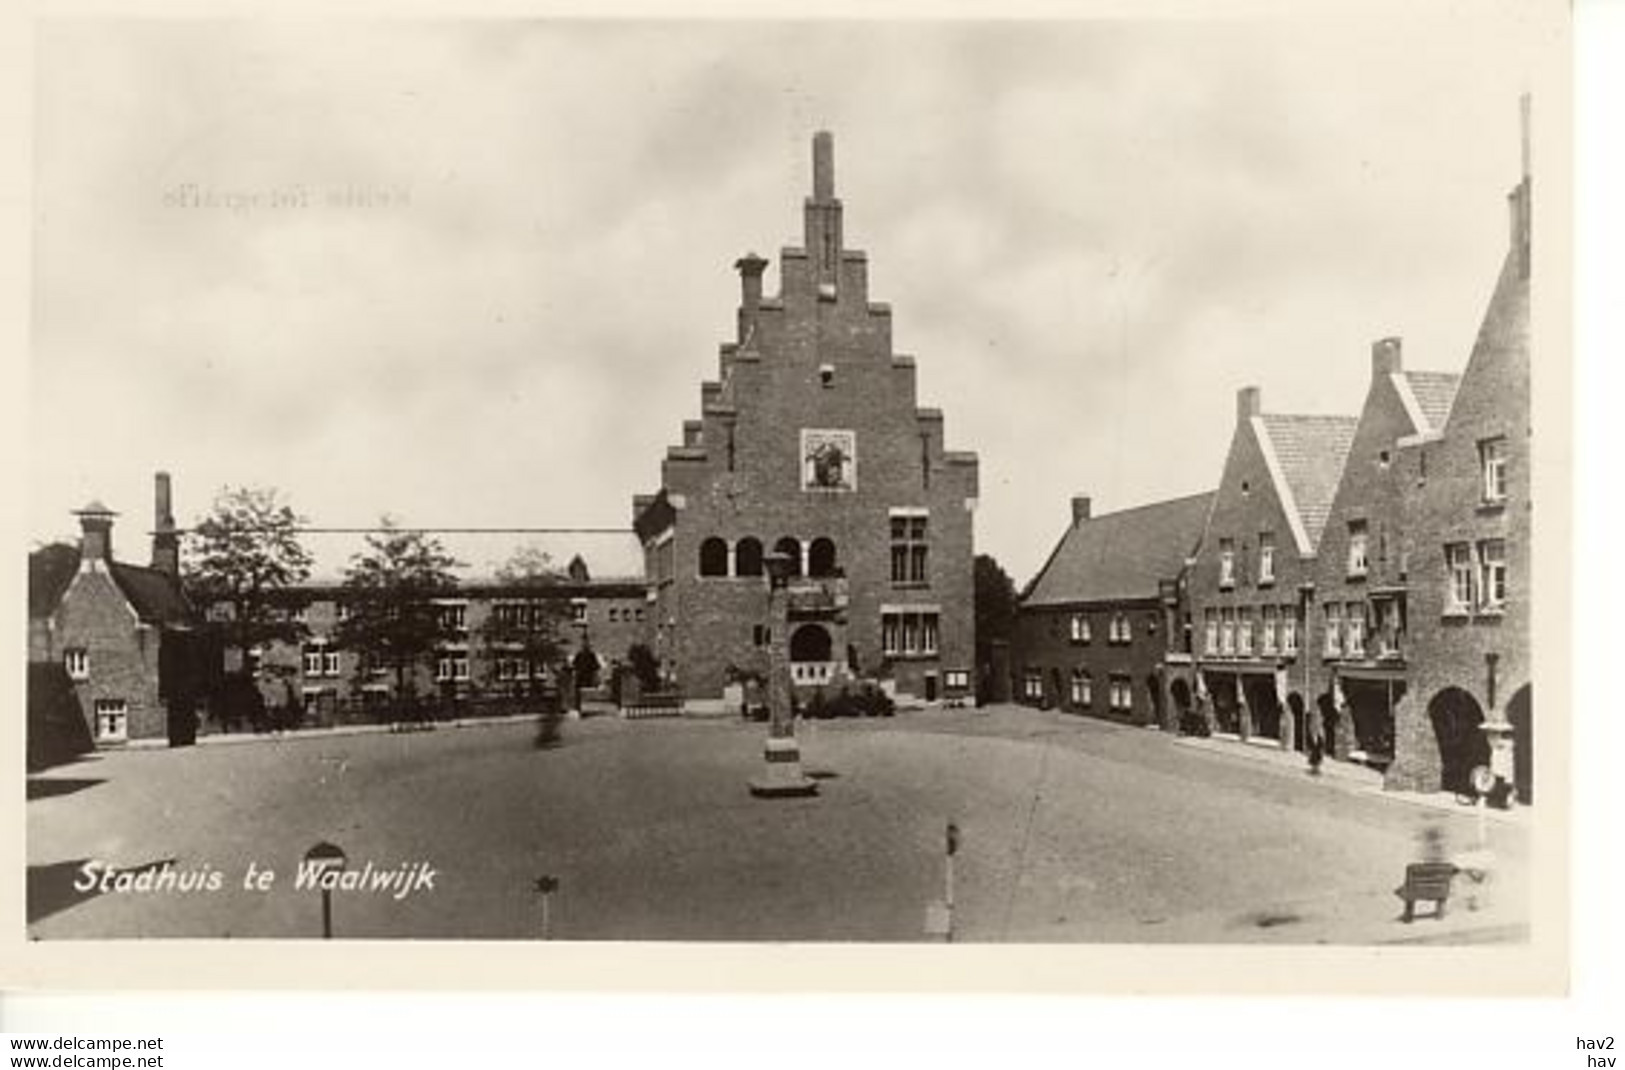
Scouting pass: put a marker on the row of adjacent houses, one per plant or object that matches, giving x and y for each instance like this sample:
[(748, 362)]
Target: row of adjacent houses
[(118, 651), (1375, 565)]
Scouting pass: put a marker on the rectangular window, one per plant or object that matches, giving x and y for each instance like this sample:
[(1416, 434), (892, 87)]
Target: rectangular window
[(1492, 461), (1458, 563), (578, 610), (112, 720), (77, 662), (1289, 630), (909, 549), (1122, 694), (1266, 557), (1080, 627), (454, 617), (1244, 632), (442, 668), (1210, 629), (956, 679), (907, 633), (1389, 617), (1492, 573), (1032, 686), (1271, 616), (313, 661), (330, 662), (1354, 630), (1227, 563), (1082, 688), (1334, 629), (1121, 631), (1227, 631), (1357, 547), (459, 666)]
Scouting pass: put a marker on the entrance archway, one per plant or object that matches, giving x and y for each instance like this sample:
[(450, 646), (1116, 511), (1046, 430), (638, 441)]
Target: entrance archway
[(810, 642), (1523, 744), (1457, 719)]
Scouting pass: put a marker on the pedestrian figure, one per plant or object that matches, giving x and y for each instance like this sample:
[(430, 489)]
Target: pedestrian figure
[(1315, 731)]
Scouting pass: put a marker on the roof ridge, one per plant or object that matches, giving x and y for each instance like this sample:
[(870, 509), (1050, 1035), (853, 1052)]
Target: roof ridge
[(1149, 505)]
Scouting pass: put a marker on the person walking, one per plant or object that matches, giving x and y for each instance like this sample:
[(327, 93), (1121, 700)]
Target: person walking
[(1315, 733)]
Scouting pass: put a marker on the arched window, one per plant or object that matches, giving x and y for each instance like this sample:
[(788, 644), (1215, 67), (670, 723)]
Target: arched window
[(748, 557), (713, 557), (790, 547), (821, 558), (810, 642)]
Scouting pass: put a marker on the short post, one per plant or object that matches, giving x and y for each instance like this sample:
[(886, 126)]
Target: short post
[(546, 885), (952, 848), (327, 858)]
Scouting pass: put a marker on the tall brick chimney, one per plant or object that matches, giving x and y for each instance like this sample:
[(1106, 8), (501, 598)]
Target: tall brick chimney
[(96, 535), (1080, 509), (1518, 201), (1248, 403), (1387, 357), (166, 541), (750, 268)]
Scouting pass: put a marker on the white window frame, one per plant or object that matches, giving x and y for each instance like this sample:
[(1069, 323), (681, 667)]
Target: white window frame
[(956, 678), (118, 709), (1227, 631), (1460, 578), (76, 660), (1289, 630), (1210, 631), (1271, 619), (330, 662), (1354, 630), (1359, 548), (1080, 628), (1492, 463), (1492, 575), (1334, 629), (1244, 632), (1082, 688), (312, 660), (1227, 563), (1266, 557)]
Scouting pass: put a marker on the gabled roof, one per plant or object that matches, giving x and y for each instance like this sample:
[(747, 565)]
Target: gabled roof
[(1434, 393), (154, 595), (1123, 555), (606, 555), (1307, 453)]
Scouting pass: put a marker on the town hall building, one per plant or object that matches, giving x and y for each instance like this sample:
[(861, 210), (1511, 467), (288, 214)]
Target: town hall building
[(812, 444)]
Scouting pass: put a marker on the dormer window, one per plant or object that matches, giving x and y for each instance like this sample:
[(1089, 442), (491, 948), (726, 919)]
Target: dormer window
[(77, 662), (1358, 537), (826, 375)]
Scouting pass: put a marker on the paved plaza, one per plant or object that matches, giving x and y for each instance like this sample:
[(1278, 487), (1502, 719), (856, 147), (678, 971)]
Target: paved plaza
[(1073, 830)]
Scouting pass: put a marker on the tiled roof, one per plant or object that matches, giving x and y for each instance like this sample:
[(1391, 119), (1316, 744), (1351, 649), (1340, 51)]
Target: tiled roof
[(1121, 555), (155, 597), (1311, 451), (1435, 392)]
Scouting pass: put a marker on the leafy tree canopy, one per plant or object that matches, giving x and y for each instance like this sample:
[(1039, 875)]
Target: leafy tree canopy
[(243, 553), (390, 590), (995, 598)]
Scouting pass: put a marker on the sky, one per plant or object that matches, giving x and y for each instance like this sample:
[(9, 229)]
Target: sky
[(472, 273)]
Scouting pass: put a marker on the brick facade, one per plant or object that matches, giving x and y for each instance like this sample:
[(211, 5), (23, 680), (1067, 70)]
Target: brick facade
[(813, 433), (120, 641), (1095, 627), (1470, 557), (1252, 576)]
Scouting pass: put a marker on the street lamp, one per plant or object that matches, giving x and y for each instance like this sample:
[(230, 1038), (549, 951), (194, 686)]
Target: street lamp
[(783, 776)]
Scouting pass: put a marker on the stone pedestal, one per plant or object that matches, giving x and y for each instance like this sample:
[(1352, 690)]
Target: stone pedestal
[(782, 775)]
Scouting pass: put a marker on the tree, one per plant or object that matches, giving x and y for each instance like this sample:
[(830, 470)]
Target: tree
[(645, 666), (244, 555), (525, 625), (995, 602), (393, 621)]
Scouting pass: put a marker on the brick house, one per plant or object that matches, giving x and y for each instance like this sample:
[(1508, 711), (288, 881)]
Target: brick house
[(480, 659), (1253, 575), (1096, 625), (1469, 522), (1361, 651), (115, 645), (811, 443)]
